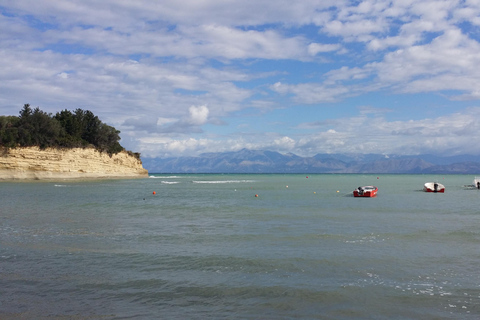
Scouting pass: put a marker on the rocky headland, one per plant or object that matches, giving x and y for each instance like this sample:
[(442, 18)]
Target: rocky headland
[(32, 163)]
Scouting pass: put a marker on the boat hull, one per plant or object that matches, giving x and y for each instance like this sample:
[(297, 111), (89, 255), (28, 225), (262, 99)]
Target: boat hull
[(434, 187), (365, 192)]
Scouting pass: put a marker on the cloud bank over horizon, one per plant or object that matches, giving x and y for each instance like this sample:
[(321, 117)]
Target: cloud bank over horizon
[(183, 78)]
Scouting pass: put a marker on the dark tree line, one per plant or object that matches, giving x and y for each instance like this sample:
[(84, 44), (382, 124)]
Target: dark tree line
[(65, 129)]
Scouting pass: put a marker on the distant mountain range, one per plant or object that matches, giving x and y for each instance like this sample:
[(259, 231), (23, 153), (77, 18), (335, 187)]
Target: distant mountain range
[(255, 161)]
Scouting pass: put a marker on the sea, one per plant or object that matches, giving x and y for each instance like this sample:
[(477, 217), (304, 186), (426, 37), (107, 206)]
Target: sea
[(240, 246)]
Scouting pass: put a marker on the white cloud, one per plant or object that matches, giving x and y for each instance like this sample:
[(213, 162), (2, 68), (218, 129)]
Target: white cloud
[(444, 64), (284, 144), (198, 115), (163, 121), (311, 93), (354, 30), (63, 75), (315, 48), (451, 134)]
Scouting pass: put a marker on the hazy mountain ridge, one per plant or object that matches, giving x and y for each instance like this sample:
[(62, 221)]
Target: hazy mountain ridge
[(257, 161)]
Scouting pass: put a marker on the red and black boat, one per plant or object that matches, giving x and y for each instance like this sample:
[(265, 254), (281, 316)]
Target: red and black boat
[(365, 191)]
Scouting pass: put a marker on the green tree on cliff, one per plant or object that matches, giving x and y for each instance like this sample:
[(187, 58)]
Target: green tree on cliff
[(8, 131), (65, 129)]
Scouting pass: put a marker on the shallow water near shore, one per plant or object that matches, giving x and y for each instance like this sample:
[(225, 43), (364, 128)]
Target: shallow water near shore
[(205, 247)]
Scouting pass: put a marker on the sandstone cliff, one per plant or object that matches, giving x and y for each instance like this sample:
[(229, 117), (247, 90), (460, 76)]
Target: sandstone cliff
[(33, 163)]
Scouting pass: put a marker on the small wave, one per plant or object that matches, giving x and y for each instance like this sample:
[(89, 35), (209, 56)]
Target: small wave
[(372, 238), (223, 181), (169, 182), (60, 185)]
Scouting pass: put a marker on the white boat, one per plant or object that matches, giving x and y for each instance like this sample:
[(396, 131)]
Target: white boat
[(476, 182), (434, 187)]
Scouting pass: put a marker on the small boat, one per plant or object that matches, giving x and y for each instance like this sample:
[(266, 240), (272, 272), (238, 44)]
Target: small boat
[(434, 187), (476, 182), (365, 191)]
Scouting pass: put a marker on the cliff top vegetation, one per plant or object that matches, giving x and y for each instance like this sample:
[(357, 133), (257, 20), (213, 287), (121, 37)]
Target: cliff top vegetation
[(65, 129)]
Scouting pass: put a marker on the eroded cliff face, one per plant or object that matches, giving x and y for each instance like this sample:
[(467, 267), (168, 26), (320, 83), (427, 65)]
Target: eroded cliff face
[(33, 163)]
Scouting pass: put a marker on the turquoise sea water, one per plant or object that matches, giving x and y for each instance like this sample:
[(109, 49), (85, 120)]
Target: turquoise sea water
[(204, 247)]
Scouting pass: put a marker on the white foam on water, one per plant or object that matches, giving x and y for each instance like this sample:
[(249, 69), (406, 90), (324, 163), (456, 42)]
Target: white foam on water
[(223, 181)]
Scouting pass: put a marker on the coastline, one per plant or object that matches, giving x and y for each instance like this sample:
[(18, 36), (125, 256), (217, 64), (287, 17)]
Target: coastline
[(13, 175), (31, 163)]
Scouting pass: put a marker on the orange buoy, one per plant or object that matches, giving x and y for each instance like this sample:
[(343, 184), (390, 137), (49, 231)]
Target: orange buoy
[(256, 196), (154, 192)]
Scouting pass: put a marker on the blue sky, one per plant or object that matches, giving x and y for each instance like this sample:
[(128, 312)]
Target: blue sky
[(180, 78)]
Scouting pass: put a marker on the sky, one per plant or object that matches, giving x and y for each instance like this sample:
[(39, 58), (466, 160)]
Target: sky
[(181, 78)]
